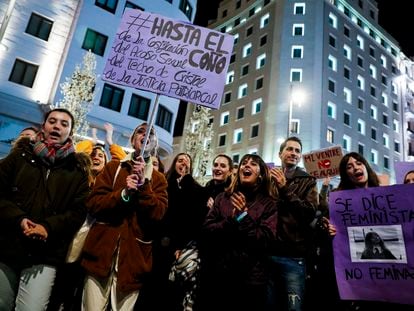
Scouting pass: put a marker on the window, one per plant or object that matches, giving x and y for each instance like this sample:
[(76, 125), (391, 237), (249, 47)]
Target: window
[(247, 50), (330, 136), (296, 75), (249, 31), (361, 83), (224, 118), (384, 79), (245, 70), (224, 13), (396, 146), (242, 91), (332, 41), (384, 98), (256, 106), (264, 20), (299, 8), (232, 58), (164, 118), (360, 149), (222, 140), (374, 112), (94, 41), (347, 31), (23, 73), (297, 51), (347, 73), (346, 143), (385, 119), (263, 40), (373, 71), (386, 162), (360, 61), (240, 113), (112, 97), (332, 20), (139, 107), (298, 30), (109, 5), (374, 156), (360, 42), (383, 61), (396, 126), (332, 63), (236, 158), (361, 104), (236, 38), (238, 4), (386, 140), (331, 85), (259, 83), (347, 52), (372, 51), (260, 61), (39, 26), (331, 110), (227, 97), (294, 127), (186, 8), (348, 95), (374, 133), (395, 106), (230, 77), (347, 118), (237, 136), (361, 126), (133, 6), (254, 132), (373, 91)]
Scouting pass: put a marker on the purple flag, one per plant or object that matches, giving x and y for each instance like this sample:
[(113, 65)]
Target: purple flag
[(374, 245), (174, 58)]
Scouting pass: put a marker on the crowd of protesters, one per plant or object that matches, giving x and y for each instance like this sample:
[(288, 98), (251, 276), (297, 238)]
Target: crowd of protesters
[(159, 240)]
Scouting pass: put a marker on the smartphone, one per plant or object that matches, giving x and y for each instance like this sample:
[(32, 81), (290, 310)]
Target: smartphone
[(270, 165)]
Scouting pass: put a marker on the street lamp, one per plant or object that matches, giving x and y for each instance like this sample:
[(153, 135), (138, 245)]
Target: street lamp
[(296, 96)]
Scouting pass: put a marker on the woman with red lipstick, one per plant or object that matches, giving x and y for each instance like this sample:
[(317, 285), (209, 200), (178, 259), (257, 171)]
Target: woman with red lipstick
[(237, 231)]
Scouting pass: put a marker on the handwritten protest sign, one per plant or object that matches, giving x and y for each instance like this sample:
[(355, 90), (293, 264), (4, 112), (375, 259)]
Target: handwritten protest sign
[(401, 169), (164, 56), (374, 244), (324, 162)]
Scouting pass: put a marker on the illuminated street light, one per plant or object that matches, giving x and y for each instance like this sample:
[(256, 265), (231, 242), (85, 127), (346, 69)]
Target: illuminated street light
[(296, 96)]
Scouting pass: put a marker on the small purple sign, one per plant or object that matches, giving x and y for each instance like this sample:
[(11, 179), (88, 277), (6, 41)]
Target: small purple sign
[(374, 244), (174, 58)]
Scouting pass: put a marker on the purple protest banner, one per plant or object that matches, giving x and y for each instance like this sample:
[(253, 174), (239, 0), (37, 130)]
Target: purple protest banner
[(174, 58), (401, 169), (374, 244)]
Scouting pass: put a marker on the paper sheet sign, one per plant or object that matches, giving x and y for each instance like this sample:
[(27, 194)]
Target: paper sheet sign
[(324, 162), (174, 58)]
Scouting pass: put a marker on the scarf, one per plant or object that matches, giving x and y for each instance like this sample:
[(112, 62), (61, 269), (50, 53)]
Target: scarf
[(49, 153)]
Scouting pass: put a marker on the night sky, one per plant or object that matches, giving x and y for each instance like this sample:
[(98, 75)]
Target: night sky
[(394, 16)]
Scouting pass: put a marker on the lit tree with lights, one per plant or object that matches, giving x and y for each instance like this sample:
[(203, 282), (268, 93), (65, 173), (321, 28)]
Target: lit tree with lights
[(197, 141), (78, 93)]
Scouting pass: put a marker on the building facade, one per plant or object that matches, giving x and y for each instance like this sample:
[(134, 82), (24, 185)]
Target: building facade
[(355, 80), (42, 43)]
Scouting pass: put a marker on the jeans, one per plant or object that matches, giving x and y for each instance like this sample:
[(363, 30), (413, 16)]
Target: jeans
[(26, 290), (286, 289)]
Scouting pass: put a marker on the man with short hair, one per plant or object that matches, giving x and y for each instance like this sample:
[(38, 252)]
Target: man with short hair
[(43, 187), (298, 196)]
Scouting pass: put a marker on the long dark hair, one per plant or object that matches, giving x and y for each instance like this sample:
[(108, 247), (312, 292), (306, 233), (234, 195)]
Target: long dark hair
[(346, 183), (172, 172), (263, 186)]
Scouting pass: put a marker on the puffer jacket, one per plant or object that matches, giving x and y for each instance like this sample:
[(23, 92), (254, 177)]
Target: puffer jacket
[(51, 196), (124, 229), (297, 209)]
